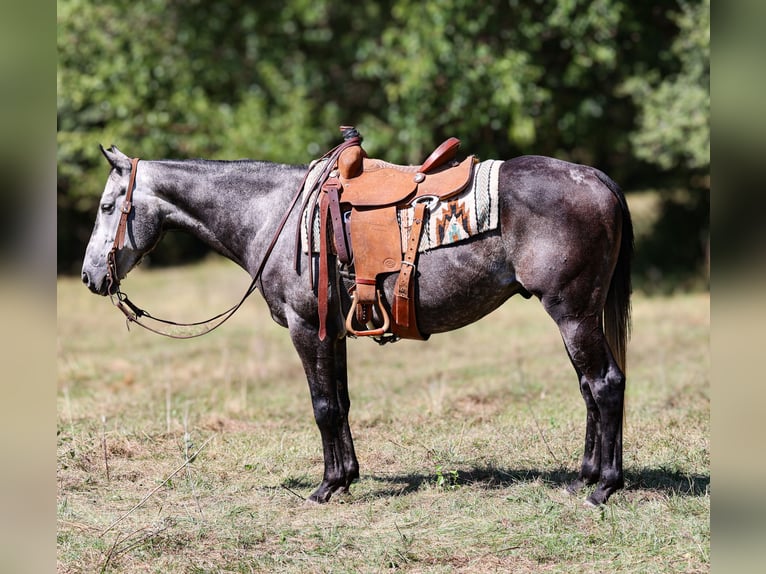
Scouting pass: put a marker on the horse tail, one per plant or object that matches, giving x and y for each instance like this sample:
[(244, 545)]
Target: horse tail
[(617, 310)]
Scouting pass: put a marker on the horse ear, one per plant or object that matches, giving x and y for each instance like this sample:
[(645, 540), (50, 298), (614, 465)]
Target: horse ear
[(116, 158)]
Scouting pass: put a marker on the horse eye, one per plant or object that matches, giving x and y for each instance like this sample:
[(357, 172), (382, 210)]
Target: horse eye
[(107, 207)]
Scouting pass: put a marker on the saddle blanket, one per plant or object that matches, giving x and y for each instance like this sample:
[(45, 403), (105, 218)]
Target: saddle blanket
[(473, 211)]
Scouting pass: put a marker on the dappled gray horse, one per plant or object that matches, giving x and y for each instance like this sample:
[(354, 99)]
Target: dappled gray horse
[(565, 236)]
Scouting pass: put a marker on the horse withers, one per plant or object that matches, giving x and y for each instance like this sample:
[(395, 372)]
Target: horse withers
[(564, 235)]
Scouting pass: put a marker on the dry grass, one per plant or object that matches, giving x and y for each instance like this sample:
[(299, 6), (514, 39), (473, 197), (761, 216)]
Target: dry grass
[(464, 442)]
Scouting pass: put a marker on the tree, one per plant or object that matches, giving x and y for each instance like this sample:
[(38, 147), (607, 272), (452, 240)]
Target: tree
[(673, 120), (585, 80), (673, 133)]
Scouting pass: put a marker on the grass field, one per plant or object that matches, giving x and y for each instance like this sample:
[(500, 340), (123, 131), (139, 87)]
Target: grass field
[(465, 443)]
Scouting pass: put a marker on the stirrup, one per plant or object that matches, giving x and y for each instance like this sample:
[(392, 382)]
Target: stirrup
[(370, 332)]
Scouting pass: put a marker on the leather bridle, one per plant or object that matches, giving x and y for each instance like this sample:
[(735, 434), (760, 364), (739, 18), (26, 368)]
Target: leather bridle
[(133, 312), (119, 236)]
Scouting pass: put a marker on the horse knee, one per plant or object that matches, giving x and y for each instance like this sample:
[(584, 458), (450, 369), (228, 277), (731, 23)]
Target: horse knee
[(326, 413), (609, 391)]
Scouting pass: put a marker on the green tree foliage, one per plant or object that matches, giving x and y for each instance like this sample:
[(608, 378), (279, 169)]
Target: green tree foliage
[(576, 79), (673, 134), (673, 122)]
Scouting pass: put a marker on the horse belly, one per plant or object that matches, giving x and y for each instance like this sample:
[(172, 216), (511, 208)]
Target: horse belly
[(460, 284)]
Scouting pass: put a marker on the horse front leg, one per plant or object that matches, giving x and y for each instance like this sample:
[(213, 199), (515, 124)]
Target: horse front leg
[(325, 365), (350, 463)]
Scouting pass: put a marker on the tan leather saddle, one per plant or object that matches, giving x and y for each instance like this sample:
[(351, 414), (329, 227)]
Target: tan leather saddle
[(359, 202)]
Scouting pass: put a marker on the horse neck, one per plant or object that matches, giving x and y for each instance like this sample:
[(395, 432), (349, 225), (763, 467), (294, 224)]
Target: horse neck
[(232, 206)]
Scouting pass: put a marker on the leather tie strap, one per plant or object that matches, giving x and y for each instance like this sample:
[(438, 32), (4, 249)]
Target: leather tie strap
[(404, 303), (332, 187), (324, 275)]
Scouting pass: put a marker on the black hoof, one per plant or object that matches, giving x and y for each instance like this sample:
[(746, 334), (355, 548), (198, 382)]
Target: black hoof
[(602, 493), (320, 495), (326, 491)]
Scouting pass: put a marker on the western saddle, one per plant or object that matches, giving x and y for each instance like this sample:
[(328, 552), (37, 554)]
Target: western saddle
[(358, 206)]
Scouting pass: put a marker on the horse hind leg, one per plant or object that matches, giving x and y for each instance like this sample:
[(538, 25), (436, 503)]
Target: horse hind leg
[(602, 385), (590, 470)]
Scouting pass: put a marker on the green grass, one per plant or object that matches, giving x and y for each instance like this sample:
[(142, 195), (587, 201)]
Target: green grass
[(464, 441)]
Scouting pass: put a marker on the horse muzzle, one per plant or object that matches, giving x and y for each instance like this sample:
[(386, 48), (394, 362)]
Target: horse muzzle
[(99, 287)]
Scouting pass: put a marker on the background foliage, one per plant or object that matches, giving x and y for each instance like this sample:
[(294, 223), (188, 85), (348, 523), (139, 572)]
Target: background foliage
[(620, 85)]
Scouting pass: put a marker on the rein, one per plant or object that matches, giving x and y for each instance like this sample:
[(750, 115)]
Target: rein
[(134, 313)]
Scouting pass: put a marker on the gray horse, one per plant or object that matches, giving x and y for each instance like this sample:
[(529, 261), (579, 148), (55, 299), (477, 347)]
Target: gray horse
[(565, 236)]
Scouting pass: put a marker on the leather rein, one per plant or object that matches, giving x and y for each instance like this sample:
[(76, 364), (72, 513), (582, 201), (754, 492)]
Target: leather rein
[(134, 313)]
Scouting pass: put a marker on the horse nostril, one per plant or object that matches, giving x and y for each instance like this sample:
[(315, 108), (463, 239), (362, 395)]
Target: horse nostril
[(85, 278)]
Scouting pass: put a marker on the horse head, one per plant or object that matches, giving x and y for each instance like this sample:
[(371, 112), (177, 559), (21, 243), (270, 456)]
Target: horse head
[(142, 227)]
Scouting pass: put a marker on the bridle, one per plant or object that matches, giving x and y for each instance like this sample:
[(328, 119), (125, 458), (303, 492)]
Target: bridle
[(134, 313), (119, 236)]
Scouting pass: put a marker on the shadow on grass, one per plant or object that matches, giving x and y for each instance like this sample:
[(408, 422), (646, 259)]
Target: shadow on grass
[(668, 482), (656, 480)]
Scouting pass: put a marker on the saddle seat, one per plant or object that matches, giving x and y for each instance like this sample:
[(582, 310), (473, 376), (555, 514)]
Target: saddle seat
[(360, 203), (379, 183)]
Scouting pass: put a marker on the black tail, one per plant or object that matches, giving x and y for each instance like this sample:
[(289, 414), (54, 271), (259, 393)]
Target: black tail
[(617, 309)]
